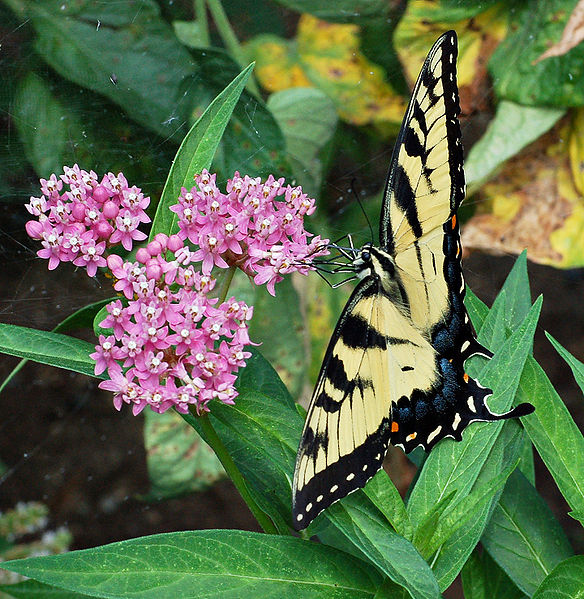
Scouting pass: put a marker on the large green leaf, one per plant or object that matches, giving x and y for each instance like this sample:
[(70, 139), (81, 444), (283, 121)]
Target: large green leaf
[(386, 498), (566, 581), (196, 151), (80, 319), (307, 118), (53, 349), (92, 43), (483, 579), (31, 589), (554, 434), (213, 564), (514, 127), (523, 536), (556, 81), (360, 529), (60, 123), (576, 366)]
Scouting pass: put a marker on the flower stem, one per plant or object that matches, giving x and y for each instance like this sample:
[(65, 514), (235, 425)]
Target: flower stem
[(230, 40), (201, 18), (233, 472), (226, 283)]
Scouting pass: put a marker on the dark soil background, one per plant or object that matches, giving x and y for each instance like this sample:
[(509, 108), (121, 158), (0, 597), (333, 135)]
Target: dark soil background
[(62, 442)]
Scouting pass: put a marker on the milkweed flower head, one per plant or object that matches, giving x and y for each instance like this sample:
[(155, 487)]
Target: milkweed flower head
[(255, 225), (79, 216), (167, 342), (171, 343)]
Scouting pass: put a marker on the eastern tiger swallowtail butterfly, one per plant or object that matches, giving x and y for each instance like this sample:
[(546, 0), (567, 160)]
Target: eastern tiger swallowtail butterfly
[(394, 368)]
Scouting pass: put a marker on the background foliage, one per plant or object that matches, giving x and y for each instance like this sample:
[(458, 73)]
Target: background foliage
[(116, 86)]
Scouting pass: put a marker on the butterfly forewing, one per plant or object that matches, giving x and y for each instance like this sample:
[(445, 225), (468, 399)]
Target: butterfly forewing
[(426, 181)]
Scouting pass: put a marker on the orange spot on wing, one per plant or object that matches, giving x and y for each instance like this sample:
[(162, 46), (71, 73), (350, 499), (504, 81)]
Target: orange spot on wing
[(411, 437), (394, 427), (465, 377), (454, 221)]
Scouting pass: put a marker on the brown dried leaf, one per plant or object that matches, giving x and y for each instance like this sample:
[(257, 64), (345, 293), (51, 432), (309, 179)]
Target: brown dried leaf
[(572, 35), (533, 203)]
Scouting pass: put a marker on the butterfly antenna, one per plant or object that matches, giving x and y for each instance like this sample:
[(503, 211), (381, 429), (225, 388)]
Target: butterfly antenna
[(353, 185)]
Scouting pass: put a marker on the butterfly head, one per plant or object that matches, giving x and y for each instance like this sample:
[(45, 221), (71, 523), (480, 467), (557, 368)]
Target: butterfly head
[(372, 261)]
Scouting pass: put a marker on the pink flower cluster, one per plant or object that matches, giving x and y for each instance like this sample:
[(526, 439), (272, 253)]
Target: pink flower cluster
[(249, 227), (172, 345), (77, 224)]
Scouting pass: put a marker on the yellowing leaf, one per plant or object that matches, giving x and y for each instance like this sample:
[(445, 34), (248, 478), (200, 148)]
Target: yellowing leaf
[(277, 66), (332, 60), (577, 150), (328, 57), (534, 203), (425, 20)]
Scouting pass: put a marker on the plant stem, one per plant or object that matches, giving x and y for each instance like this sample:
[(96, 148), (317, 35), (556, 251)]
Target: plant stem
[(201, 18), (233, 472), (226, 283), (230, 40)]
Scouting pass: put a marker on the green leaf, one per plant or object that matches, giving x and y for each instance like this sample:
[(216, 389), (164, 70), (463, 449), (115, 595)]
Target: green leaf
[(60, 123), (493, 333), (196, 151), (341, 11), (523, 536), (53, 349), (483, 579), (308, 119), (85, 42), (556, 81), (426, 529), (179, 461), (554, 434), (360, 529), (518, 295), (190, 33), (465, 511), (386, 498), (391, 590), (565, 581), (575, 364), (43, 124), (81, 318), (513, 128), (215, 563), (477, 309), (283, 346), (31, 589), (452, 555)]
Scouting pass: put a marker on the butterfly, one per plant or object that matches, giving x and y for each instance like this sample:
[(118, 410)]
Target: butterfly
[(393, 371)]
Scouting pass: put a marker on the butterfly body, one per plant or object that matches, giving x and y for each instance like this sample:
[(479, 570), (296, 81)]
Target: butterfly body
[(394, 371)]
